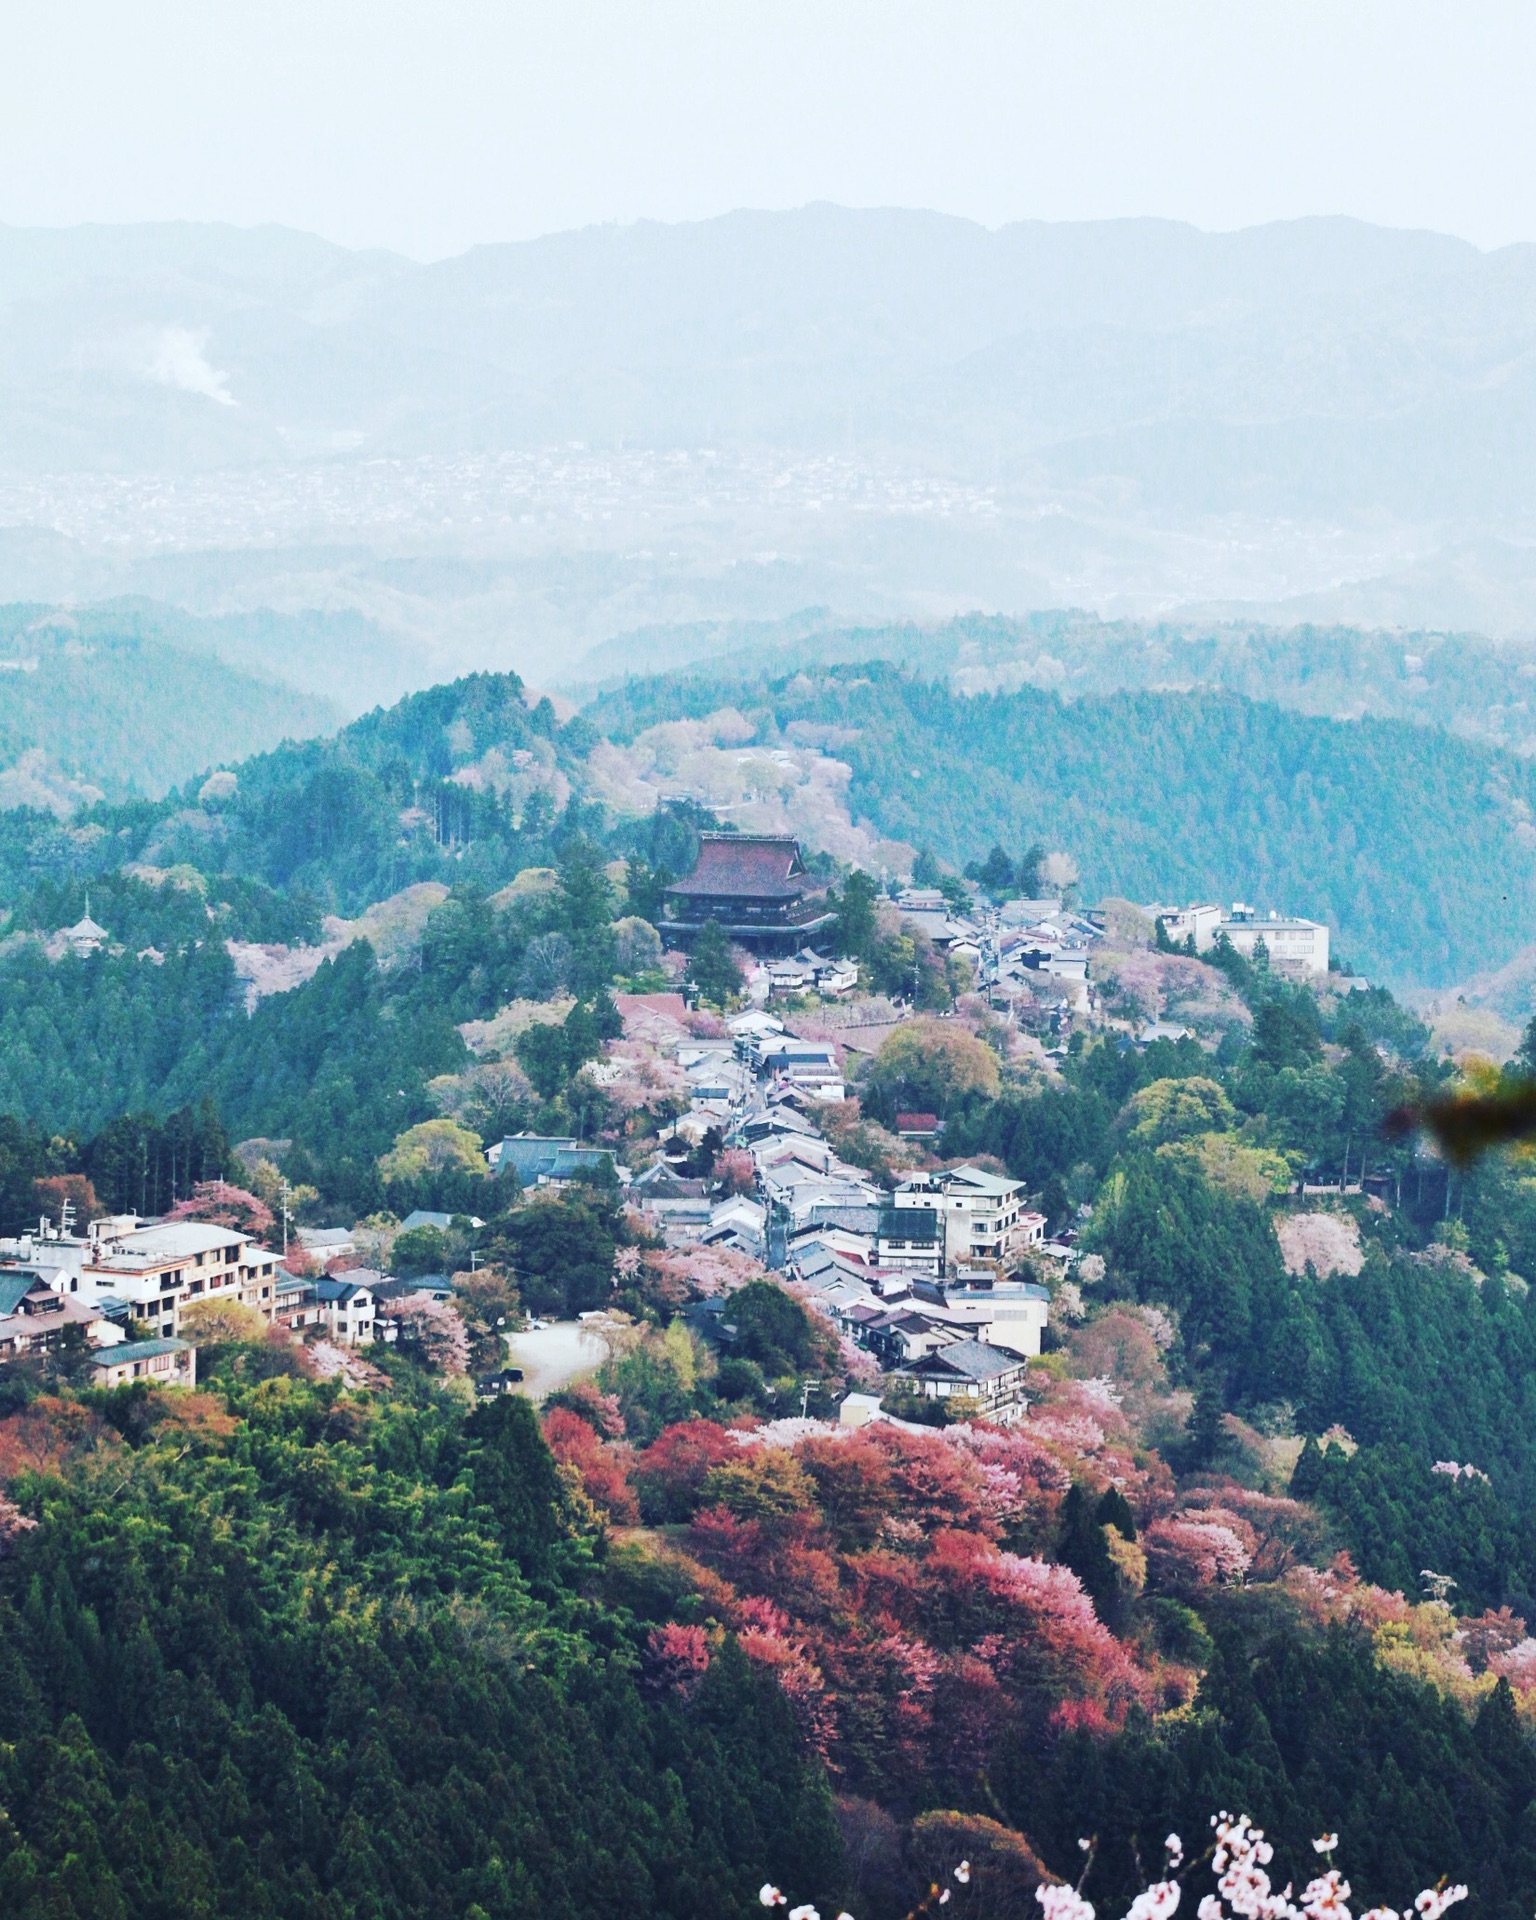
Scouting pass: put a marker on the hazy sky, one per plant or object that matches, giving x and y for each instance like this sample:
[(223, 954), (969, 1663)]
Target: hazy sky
[(430, 127)]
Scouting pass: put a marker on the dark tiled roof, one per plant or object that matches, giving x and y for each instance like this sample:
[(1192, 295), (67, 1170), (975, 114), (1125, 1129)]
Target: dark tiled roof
[(850, 1219), (14, 1288), (550, 1156), (971, 1358), (745, 865), (339, 1291), (659, 1182)]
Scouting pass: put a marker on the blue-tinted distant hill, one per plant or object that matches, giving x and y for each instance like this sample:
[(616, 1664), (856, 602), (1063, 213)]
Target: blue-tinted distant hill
[(884, 411), (124, 709), (1463, 682), (1304, 365)]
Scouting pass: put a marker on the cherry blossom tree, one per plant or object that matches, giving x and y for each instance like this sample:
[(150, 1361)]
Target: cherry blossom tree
[(223, 1205), (599, 1465), (436, 1330), (1203, 1547), (674, 1660), (669, 1474)]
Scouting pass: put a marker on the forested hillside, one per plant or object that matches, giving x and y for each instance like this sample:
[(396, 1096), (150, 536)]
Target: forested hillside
[(120, 711), (1417, 847), (279, 1650), (156, 1021), (1461, 682), (462, 780)]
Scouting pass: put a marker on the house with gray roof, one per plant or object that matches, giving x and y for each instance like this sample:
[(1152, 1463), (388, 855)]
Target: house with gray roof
[(991, 1376), (541, 1160)]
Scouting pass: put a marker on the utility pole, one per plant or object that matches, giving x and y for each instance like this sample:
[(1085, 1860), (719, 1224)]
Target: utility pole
[(285, 1191)]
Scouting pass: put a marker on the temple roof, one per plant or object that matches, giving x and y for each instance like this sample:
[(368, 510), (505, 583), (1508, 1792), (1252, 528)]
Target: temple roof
[(759, 866)]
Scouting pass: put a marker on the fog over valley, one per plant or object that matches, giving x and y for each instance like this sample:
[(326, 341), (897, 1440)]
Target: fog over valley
[(510, 456)]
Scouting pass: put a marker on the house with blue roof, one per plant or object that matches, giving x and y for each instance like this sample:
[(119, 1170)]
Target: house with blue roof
[(541, 1160), (162, 1363)]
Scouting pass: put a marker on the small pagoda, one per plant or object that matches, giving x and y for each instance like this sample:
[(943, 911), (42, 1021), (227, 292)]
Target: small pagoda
[(755, 885)]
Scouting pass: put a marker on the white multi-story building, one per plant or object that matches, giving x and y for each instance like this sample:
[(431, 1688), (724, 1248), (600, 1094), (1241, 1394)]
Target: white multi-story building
[(160, 1270), (1294, 945), (1009, 1313), (1200, 922), (349, 1307), (156, 1270), (938, 1221)]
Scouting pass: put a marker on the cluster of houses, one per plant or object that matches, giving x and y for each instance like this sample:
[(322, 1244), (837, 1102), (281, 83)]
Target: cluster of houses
[(1032, 954), (1029, 957), (924, 1278), (935, 1279), (932, 1279), (124, 1273), (123, 1287)]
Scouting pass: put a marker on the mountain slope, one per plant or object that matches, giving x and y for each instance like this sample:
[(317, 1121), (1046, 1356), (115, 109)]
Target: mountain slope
[(120, 710), (1417, 847), (462, 782), (1473, 686)]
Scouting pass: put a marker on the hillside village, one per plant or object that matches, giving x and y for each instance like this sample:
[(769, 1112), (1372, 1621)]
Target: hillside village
[(937, 1275), (918, 1304)]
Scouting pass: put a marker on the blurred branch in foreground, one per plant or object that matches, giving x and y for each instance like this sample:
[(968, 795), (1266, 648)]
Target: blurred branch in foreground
[(1466, 1124)]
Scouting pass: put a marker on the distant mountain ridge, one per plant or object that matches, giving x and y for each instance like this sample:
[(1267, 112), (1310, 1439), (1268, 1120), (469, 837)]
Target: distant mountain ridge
[(1303, 358), (1463, 683), (509, 456)]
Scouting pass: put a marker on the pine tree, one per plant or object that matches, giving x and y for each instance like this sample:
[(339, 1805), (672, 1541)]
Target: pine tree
[(712, 970), (1307, 1475)]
